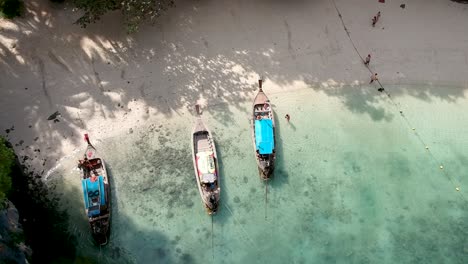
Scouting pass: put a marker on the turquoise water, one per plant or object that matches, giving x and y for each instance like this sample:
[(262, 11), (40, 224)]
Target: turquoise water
[(354, 183)]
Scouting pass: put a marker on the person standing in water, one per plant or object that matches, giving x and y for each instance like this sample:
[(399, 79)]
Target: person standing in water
[(287, 117)]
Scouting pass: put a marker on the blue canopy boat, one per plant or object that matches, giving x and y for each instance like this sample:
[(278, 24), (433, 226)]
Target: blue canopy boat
[(95, 184), (263, 133)]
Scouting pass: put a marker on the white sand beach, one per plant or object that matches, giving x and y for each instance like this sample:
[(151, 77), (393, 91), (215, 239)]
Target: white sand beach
[(105, 82)]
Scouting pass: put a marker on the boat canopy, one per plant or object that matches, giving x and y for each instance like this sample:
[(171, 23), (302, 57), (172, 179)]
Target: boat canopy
[(208, 178), (206, 166), (94, 194), (205, 162), (264, 138)]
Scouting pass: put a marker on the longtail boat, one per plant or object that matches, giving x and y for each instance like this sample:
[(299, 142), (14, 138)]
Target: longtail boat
[(263, 134), (205, 164), (96, 193)]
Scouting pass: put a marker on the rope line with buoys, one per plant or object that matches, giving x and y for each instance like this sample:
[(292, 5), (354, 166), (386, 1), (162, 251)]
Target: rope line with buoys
[(408, 123)]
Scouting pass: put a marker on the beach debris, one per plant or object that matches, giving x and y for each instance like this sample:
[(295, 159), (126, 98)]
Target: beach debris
[(427, 147), (54, 116), (375, 19), (130, 131), (414, 128), (198, 109), (403, 6), (8, 130)]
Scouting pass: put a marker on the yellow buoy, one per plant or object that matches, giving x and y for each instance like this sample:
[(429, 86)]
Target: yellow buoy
[(441, 167), (427, 147), (414, 128), (458, 189)]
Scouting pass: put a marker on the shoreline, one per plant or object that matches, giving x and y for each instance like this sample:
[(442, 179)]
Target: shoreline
[(105, 82)]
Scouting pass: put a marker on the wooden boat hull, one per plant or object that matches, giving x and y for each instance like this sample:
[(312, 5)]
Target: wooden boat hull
[(96, 187), (265, 163), (205, 164)]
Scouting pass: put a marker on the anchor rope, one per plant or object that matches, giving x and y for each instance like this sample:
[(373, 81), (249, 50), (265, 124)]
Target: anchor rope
[(396, 106)]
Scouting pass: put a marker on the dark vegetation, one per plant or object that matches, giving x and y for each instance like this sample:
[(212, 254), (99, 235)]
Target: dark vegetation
[(7, 158), (11, 8), (134, 12), (44, 225)]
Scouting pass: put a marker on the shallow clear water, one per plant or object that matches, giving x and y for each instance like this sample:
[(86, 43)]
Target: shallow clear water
[(353, 184)]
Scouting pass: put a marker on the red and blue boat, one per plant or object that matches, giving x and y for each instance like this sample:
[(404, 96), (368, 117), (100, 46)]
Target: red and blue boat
[(96, 193)]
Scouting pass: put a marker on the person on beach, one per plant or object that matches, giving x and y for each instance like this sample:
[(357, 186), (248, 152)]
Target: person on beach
[(381, 89), (378, 16), (373, 78), (374, 20), (287, 117), (366, 62)]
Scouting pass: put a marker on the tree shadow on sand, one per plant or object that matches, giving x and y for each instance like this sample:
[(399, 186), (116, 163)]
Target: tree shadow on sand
[(101, 71)]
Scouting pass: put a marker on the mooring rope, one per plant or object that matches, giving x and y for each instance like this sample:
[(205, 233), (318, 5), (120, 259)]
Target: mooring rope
[(396, 106)]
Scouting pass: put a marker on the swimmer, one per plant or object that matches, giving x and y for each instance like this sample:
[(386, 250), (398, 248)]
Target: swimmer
[(287, 117)]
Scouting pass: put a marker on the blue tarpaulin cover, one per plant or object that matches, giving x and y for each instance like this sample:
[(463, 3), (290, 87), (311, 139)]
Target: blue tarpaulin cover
[(91, 191), (264, 139)]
